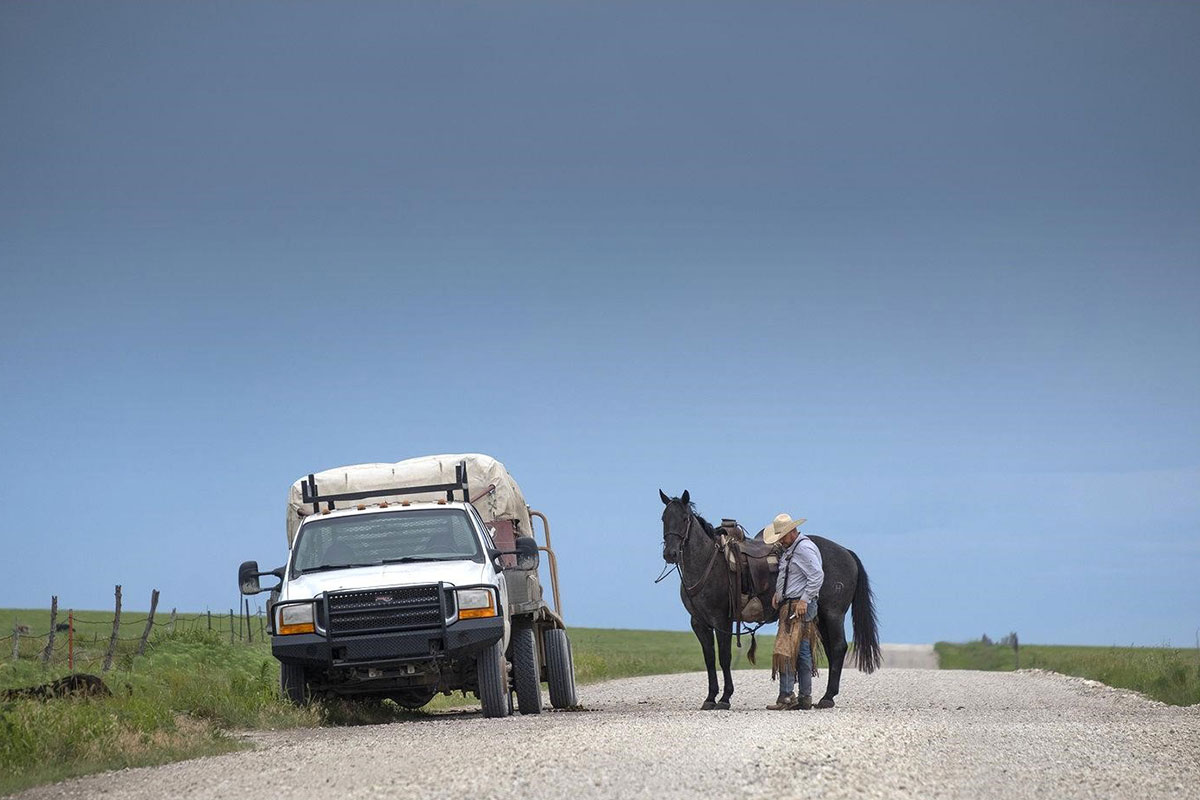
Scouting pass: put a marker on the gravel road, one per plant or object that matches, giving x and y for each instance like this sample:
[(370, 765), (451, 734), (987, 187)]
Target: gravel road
[(898, 733)]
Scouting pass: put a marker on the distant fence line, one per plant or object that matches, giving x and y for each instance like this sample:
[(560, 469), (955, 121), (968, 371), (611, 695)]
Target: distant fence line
[(243, 625)]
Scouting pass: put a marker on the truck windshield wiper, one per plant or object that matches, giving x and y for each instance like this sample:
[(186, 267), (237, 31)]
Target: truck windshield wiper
[(412, 559), (326, 567), (381, 562)]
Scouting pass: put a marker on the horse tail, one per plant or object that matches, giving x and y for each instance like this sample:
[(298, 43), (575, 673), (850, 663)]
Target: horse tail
[(753, 649), (867, 654)]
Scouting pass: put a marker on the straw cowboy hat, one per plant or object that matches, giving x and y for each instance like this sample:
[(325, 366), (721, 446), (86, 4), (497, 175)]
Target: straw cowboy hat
[(781, 526)]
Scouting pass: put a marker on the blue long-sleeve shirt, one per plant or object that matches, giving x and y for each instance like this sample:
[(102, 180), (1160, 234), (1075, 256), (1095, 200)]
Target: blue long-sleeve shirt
[(800, 572)]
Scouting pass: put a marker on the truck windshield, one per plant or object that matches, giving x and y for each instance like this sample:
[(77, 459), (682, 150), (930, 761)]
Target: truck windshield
[(393, 537)]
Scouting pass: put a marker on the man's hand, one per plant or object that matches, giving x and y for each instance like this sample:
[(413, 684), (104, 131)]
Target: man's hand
[(802, 610), (775, 600)]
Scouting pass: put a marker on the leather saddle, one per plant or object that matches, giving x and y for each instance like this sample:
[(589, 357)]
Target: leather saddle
[(753, 565)]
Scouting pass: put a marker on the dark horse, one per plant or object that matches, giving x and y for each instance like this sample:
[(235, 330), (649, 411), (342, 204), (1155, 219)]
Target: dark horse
[(689, 541)]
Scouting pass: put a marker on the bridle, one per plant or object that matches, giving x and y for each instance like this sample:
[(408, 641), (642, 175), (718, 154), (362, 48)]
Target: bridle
[(679, 559), (682, 537)]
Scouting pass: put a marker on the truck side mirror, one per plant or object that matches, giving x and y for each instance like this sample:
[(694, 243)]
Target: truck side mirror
[(526, 552), (248, 575), (248, 578), (528, 556)]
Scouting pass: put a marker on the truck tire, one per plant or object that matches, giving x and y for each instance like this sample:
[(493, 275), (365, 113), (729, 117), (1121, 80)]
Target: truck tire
[(526, 669), (491, 672), (292, 684), (561, 667)]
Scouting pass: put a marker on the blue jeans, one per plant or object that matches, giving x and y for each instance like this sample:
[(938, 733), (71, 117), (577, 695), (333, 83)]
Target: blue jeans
[(804, 662)]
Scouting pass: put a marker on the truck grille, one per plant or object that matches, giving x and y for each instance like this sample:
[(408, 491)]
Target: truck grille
[(406, 608)]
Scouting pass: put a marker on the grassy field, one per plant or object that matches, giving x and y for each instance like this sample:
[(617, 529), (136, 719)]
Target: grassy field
[(603, 654), (178, 700), (1171, 675), (193, 687)]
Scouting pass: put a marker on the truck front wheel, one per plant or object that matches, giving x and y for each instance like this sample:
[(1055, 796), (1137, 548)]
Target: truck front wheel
[(491, 671), (526, 670), (561, 669), (293, 684)]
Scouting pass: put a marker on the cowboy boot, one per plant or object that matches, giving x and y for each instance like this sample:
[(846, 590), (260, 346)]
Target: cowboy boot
[(805, 703), (785, 702)]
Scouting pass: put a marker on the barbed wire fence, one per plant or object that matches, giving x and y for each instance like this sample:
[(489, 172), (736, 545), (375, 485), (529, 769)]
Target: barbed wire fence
[(91, 642)]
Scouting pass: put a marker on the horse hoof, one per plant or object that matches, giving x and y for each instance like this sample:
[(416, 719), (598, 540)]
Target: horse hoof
[(709, 705), (722, 706), (825, 702)]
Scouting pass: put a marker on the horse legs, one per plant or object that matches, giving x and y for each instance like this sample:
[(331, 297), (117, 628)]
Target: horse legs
[(705, 634), (723, 646), (833, 636)]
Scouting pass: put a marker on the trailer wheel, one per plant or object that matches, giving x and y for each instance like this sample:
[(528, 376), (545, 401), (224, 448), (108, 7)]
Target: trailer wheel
[(526, 669), (491, 671), (292, 684), (561, 667)]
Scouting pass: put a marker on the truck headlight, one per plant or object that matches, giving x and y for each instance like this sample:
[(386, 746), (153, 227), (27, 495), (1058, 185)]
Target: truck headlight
[(294, 618), (476, 603)]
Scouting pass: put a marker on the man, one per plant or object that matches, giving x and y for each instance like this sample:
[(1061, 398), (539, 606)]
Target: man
[(796, 589)]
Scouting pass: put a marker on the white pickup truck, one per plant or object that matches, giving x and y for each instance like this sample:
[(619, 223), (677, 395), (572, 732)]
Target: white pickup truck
[(399, 590)]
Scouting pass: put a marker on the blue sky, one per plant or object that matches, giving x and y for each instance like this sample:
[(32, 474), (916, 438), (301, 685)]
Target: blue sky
[(925, 273)]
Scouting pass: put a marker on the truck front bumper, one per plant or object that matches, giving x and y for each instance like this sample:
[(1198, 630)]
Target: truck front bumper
[(465, 638)]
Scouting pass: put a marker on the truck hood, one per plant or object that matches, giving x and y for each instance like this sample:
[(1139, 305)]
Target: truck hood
[(455, 573)]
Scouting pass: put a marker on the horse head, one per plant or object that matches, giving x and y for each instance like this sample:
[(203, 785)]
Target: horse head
[(676, 521)]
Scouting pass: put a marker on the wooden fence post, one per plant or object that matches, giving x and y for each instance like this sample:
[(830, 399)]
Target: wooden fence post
[(249, 631), (141, 651), (71, 639), (48, 653), (209, 613), (16, 641), (112, 642), (1017, 650), (231, 626), (171, 622)]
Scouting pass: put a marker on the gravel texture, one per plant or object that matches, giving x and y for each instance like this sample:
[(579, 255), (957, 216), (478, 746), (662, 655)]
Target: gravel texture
[(898, 733)]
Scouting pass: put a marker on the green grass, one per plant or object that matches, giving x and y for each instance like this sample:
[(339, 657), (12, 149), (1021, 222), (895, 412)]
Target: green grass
[(1171, 675), (179, 700), (603, 654), (193, 688)]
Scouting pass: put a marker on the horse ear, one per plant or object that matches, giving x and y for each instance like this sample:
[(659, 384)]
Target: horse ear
[(666, 500), (685, 497)]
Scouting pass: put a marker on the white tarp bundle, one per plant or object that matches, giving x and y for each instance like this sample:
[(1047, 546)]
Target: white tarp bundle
[(506, 502)]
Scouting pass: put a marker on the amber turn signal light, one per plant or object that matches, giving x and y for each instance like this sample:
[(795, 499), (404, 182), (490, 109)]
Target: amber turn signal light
[(475, 613)]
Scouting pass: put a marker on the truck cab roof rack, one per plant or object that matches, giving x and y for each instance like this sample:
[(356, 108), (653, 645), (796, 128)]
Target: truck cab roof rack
[(311, 494)]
